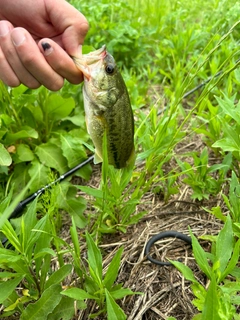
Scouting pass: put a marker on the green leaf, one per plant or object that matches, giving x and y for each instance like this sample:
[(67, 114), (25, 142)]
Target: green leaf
[(229, 107), (58, 107), (233, 261), (45, 251), (41, 173), (224, 245), (114, 312), (8, 256), (37, 113), (185, 270), (96, 193), (227, 144), (72, 149), (112, 271), (217, 212), (18, 91), (2, 133), (75, 240), (200, 256), (76, 208), (123, 292), (94, 257), (44, 306), (77, 294), (197, 317), (7, 212), (26, 132), (68, 201), (5, 158), (6, 119), (65, 310), (58, 275), (28, 221), (24, 153), (20, 176), (8, 286), (75, 119), (35, 235), (211, 306), (233, 202), (50, 155), (11, 235), (6, 274)]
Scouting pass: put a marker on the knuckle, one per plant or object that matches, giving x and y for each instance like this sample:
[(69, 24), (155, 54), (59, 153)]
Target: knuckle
[(75, 80), (28, 59), (12, 82), (9, 52), (55, 85), (82, 24), (85, 26), (7, 75), (33, 85)]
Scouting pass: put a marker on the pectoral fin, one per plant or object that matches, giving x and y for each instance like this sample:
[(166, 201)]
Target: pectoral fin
[(97, 158)]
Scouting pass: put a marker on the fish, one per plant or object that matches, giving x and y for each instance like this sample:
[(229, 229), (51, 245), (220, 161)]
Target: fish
[(107, 108)]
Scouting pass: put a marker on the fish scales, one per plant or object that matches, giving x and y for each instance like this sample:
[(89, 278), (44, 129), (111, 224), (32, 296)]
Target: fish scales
[(107, 107)]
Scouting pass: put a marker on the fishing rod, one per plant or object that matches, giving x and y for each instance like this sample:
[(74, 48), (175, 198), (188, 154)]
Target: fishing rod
[(17, 212), (22, 204)]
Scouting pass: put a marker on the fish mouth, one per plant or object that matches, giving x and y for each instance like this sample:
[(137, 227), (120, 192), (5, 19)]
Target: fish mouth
[(95, 56), (87, 60)]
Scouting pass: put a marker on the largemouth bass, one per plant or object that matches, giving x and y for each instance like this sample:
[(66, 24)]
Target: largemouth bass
[(107, 107)]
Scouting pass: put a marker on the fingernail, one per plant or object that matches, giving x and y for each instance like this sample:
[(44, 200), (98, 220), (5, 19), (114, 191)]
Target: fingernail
[(4, 29), (46, 48), (18, 37)]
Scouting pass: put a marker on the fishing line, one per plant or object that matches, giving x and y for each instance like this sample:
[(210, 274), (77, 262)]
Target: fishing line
[(201, 85), (195, 89)]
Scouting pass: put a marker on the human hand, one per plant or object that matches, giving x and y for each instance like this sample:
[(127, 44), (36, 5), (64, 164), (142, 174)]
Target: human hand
[(37, 39)]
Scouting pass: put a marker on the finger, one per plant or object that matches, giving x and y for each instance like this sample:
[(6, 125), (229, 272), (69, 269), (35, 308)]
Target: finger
[(33, 60), (70, 22), (60, 61), (12, 60), (7, 75)]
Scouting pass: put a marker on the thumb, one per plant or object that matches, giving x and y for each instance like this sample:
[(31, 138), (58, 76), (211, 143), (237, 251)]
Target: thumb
[(70, 23)]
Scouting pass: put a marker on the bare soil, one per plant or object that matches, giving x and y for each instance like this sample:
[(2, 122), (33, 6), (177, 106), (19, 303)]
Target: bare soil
[(165, 292)]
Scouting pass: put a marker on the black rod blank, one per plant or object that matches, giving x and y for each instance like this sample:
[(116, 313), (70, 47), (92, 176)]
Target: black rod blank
[(22, 204)]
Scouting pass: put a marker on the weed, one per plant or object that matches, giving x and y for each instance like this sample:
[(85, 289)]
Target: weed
[(199, 175), (163, 51), (218, 300), (98, 288)]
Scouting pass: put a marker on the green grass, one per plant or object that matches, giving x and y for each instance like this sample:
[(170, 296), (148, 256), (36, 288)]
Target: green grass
[(164, 49)]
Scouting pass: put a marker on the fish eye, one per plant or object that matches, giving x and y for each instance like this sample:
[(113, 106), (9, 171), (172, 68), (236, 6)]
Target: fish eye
[(109, 68)]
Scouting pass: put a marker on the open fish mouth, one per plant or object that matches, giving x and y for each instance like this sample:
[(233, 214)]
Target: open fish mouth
[(87, 60), (95, 56)]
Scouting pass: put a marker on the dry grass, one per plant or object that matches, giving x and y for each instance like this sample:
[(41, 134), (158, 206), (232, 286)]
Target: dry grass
[(165, 292)]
